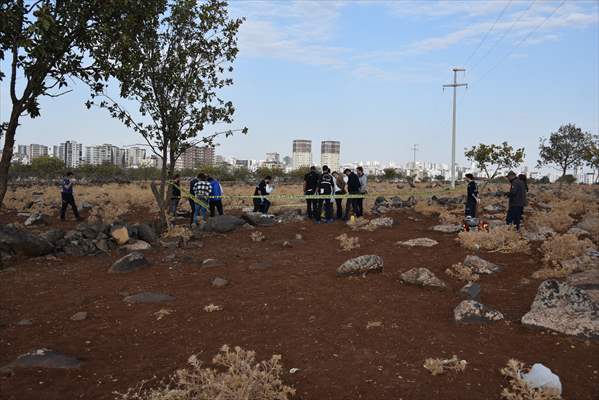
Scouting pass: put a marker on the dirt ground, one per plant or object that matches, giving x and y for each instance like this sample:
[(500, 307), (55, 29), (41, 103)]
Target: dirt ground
[(297, 308)]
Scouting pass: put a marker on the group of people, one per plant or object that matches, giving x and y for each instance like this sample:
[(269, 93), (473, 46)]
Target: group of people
[(321, 187), (203, 190), (516, 198)]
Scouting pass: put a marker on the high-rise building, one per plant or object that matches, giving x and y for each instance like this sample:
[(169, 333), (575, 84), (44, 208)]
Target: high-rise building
[(36, 151), (71, 153), (98, 155), (135, 156), (195, 156), (22, 150), (273, 158), (330, 154), (302, 153)]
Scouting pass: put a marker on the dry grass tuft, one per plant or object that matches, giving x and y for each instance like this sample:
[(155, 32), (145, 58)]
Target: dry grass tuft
[(438, 366), (462, 273), (557, 219), (430, 210), (237, 376), (518, 389), (178, 232), (564, 247), (348, 243), (257, 236), (504, 239), (212, 308), (448, 217)]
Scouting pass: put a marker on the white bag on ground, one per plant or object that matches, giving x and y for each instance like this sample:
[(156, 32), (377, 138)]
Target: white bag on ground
[(541, 377)]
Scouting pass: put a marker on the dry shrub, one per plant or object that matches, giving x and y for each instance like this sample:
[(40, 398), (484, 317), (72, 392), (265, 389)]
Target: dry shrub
[(178, 232), (438, 366), (430, 210), (504, 239), (348, 243), (590, 223), (447, 217), (557, 219), (462, 272), (257, 236), (237, 377), (518, 389), (564, 247)]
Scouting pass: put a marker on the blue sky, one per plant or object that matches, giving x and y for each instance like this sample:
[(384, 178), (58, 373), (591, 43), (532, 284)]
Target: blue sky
[(370, 74)]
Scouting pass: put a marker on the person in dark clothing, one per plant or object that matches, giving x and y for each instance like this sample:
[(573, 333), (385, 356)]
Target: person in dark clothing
[(263, 189), (68, 199), (517, 200), (522, 177), (201, 192), (326, 188), (353, 188), (471, 197), (310, 187), (192, 203), (339, 191), (215, 202), (363, 190), (175, 194)]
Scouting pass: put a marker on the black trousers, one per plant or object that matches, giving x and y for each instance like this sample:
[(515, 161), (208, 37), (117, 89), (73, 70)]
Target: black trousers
[(360, 206), (470, 210), (68, 200), (328, 209), (351, 205), (514, 216), (216, 204), (261, 205), (192, 205), (311, 204), (339, 206)]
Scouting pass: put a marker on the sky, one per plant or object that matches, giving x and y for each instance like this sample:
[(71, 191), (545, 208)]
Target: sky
[(370, 74)]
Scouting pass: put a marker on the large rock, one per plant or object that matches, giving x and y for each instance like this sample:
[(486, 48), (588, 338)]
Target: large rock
[(146, 233), (447, 228), (422, 277), (361, 265), (120, 235), (564, 308), (130, 262), (397, 202), (471, 311), (223, 224), (35, 219), (44, 358), (53, 235), (14, 241), (259, 219), (138, 245), (588, 280), (481, 266), (148, 297), (419, 242)]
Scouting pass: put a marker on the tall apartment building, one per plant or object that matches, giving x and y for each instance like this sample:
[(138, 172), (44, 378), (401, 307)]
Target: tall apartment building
[(302, 153), (71, 153), (330, 151), (195, 156), (135, 157), (273, 158), (37, 151), (22, 150), (98, 155)]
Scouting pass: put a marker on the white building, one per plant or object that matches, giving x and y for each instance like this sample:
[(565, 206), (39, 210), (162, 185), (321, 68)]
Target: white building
[(330, 152), (135, 157), (98, 155), (302, 153), (71, 153)]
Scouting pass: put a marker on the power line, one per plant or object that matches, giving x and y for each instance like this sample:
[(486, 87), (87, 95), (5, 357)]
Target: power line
[(520, 42), (505, 33), (488, 32)]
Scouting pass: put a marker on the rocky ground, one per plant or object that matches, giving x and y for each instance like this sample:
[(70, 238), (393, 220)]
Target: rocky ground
[(112, 305)]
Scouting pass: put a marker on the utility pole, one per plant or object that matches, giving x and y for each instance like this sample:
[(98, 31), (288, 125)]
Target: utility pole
[(454, 85)]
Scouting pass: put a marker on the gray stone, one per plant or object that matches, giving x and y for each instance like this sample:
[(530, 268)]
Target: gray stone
[(588, 280), (494, 208), (481, 266), (447, 228), (84, 205), (44, 358), (130, 262), (578, 232), (103, 245), (212, 263), (422, 277), (15, 241), (138, 245), (397, 202), (361, 265), (35, 219), (471, 290), (223, 224), (260, 265), (146, 233), (471, 311), (219, 282), (79, 316), (259, 219), (419, 242), (25, 322), (53, 235), (564, 308), (148, 297)]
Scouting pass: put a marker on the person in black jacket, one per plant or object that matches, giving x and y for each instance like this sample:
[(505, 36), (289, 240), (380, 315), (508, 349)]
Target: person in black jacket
[(310, 187), (326, 188), (471, 197), (175, 194), (353, 188), (517, 200), (263, 189)]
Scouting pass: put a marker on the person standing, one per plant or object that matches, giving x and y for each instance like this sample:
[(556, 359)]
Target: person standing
[(192, 203), (363, 190), (68, 199), (353, 188), (263, 189), (517, 200), (202, 191), (175, 194), (522, 177), (339, 191), (326, 188), (216, 201), (310, 187), (472, 198)]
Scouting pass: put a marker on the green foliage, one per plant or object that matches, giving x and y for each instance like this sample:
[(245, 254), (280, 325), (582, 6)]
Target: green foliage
[(591, 158), (390, 173), (47, 167), (565, 148), (493, 158), (299, 173), (569, 179), (261, 172)]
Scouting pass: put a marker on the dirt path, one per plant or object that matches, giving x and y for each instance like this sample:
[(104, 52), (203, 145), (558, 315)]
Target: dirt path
[(297, 308)]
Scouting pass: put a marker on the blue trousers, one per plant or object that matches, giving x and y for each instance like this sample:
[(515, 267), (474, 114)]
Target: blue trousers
[(514, 216), (197, 209)]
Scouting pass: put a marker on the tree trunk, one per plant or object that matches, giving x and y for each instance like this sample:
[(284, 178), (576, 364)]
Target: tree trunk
[(161, 199), (9, 144)]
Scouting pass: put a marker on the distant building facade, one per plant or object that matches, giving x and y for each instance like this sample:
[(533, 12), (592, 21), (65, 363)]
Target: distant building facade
[(195, 156), (71, 153), (302, 153), (330, 151)]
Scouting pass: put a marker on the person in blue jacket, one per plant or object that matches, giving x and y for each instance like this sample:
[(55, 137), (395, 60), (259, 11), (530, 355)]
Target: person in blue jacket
[(215, 202)]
